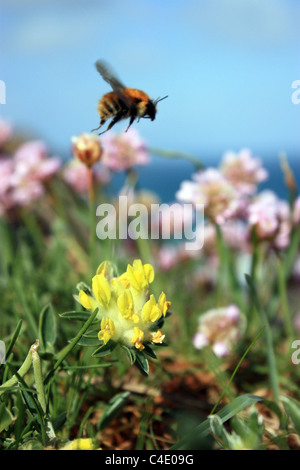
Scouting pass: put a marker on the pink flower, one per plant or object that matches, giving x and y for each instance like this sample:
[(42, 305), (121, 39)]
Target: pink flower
[(214, 191), (31, 161), (75, 174), (243, 171), (87, 148), (22, 177), (234, 232), (220, 328), (271, 219), (121, 152)]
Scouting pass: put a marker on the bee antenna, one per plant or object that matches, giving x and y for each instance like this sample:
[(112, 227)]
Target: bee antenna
[(160, 99)]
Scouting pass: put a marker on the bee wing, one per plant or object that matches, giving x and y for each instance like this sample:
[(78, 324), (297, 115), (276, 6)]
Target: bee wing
[(107, 75)]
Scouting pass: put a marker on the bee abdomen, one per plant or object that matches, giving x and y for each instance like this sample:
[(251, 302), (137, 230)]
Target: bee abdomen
[(109, 105)]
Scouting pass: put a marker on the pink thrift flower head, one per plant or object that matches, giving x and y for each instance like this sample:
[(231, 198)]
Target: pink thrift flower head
[(210, 188), (271, 219), (87, 148), (220, 328), (75, 174), (220, 349), (24, 175), (243, 171), (122, 152), (200, 341), (234, 232), (32, 162)]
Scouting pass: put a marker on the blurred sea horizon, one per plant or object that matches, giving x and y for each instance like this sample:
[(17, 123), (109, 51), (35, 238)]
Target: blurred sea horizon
[(163, 176)]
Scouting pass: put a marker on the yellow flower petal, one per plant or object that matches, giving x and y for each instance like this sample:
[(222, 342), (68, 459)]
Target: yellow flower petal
[(163, 303), (86, 301), (101, 289), (107, 329), (125, 304), (150, 311), (149, 272), (137, 338), (139, 275), (157, 336)]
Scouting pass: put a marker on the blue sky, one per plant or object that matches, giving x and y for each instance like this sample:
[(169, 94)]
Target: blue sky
[(227, 66)]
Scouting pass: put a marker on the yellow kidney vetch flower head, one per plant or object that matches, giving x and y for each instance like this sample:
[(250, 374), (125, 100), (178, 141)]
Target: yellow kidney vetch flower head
[(80, 444), (128, 313)]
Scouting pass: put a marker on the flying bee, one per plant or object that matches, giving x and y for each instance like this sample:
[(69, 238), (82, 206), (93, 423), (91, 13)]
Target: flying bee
[(123, 102)]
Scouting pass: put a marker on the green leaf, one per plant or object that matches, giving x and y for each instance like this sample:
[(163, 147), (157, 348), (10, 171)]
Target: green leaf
[(292, 408), (14, 338), (105, 349), (130, 353), (89, 342), (113, 408), (47, 327), (76, 315), (149, 351), (219, 431), (202, 430), (59, 421), (63, 354), (142, 363), (83, 286), (273, 374), (32, 404), (90, 367), (5, 417)]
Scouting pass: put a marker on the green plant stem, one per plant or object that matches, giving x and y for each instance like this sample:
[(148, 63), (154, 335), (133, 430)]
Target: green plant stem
[(72, 345), (236, 369), (175, 155), (288, 324), (25, 367), (92, 199), (37, 370), (269, 340), (255, 255), (224, 275)]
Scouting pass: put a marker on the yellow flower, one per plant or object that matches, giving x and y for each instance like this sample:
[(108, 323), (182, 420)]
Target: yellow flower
[(127, 311), (87, 301), (101, 289), (137, 338), (140, 276), (107, 329), (151, 311), (163, 304), (80, 444), (157, 337), (126, 306)]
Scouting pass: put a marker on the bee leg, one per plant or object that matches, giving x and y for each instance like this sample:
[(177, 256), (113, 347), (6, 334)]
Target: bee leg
[(117, 118), (132, 119), (100, 125)]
